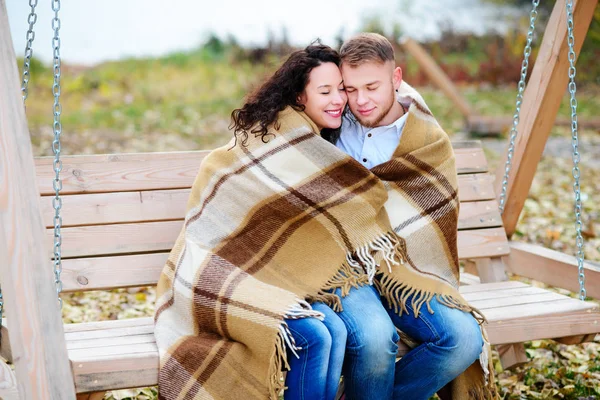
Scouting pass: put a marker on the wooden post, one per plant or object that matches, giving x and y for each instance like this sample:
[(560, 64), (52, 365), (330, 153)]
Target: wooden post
[(37, 338), (436, 74), (541, 101)]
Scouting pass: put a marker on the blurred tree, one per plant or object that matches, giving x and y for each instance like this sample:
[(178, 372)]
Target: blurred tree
[(545, 7), (591, 46), (373, 23), (214, 45)]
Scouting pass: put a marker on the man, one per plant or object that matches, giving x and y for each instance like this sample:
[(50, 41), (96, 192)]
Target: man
[(450, 339)]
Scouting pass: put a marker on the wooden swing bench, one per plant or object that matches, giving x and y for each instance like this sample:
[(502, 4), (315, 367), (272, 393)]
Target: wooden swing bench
[(122, 213)]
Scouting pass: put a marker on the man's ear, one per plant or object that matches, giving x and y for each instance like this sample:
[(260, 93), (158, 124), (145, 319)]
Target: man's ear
[(397, 77)]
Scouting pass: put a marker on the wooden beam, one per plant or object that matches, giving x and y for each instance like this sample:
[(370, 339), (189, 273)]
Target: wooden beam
[(552, 267), (37, 338), (512, 355), (541, 101), (436, 74), (489, 269)]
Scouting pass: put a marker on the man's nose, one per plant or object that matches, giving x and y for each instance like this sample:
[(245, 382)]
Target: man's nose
[(361, 98)]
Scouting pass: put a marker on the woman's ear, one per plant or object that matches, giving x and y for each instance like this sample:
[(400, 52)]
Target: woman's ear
[(301, 99)]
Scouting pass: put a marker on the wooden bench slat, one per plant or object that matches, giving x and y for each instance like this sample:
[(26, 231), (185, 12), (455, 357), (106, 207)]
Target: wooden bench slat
[(137, 369), (99, 272), (476, 187), (173, 170), (502, 293), (161, 205), (110, 332), (102, 344), (479, 214), (118, 207), (116, 239), (144, 269), (489, 242), (470, 160), (557, 319), (518, 300), (160, 236), (492, 286), (538, 309), (121, 172), (112, 324), (106, 352)]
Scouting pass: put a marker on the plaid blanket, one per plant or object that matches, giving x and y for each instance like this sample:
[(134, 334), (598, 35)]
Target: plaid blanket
[(272, 227)]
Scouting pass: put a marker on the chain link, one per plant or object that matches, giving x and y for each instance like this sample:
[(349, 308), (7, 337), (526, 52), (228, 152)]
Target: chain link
[(520, 89), (57, 127), (31, 19), (576, 155)]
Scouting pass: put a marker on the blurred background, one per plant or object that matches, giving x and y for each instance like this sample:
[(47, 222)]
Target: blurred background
[(140, 76)]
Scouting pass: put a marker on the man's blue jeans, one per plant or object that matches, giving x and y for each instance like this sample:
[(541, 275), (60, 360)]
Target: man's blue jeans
[(450, 342), (315, 375)]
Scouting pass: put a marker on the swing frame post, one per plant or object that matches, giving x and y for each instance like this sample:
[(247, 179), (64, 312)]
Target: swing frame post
[(541, 101), (37, 337)]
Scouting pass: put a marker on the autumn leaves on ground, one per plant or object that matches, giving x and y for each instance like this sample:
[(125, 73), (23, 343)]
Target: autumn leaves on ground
[(183, 102)]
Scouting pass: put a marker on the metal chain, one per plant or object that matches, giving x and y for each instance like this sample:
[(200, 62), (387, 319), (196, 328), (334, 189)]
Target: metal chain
[(521, 88), (576, 155), (31, 19), (57, 127)]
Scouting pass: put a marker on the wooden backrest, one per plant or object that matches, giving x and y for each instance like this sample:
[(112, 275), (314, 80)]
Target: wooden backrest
[(122, 213)]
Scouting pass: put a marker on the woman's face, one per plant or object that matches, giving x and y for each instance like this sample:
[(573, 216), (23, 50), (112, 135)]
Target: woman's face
[(324, 96)]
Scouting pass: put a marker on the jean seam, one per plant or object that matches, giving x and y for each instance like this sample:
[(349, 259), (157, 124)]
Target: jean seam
[(305, 359), (436, 335)]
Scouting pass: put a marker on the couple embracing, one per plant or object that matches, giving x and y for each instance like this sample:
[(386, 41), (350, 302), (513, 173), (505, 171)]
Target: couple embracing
[(321, 235)]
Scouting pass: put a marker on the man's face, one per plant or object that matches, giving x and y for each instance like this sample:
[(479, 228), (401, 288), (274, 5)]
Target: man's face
[(371, 91)]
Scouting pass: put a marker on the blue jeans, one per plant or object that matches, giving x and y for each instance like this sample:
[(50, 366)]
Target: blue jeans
[(315, 375), (450, 342)]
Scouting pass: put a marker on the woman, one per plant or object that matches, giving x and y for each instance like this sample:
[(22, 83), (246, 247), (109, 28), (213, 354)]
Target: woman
[(233, 300), (309, 82)]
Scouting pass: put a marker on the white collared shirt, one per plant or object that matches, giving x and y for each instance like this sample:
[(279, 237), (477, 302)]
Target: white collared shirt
[(370, 146)]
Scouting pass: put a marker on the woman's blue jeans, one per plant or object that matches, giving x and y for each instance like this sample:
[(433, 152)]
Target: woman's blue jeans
[(450, 342), (315, 375)]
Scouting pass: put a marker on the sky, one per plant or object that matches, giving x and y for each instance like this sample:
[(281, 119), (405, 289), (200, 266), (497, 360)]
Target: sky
[(92, 32)]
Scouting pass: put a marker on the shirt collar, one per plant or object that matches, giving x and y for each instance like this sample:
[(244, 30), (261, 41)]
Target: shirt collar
[(397, 125)]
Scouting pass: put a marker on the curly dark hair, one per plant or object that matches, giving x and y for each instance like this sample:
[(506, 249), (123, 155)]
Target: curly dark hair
[(279, 91)]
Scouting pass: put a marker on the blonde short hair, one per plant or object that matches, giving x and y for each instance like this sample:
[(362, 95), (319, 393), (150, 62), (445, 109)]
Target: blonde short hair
[(366, 47)]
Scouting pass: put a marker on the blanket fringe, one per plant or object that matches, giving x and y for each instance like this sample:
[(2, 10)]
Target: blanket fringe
[(347, 277), (278, 363), (397, 294), (389, 246), (360, 268)]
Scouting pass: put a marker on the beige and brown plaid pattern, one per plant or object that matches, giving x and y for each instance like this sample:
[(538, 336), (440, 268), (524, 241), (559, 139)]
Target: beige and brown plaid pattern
[(272, 225)]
